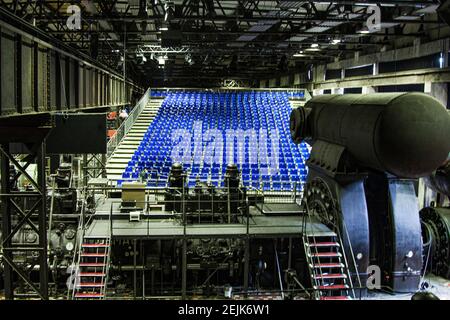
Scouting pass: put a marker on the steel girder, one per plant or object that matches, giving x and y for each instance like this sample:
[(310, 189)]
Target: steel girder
[(16, 213)]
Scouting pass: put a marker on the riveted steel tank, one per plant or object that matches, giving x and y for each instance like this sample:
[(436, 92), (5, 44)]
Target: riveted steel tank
[(404, 134)]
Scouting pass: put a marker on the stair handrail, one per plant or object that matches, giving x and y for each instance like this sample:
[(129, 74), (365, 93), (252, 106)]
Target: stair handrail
[(346, 261), (309, 259), (78, 244), (280, 281), (105, 269), (123, 129), (353, 259), (338, 233)]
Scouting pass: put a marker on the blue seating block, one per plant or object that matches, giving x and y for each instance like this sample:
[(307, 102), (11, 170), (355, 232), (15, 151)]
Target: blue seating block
[(225, 110)]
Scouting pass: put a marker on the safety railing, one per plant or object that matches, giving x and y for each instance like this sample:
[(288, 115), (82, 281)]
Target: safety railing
[(283, 192), (128, 123), (78, 248), (274, 192), (338, 232), (226, 89)]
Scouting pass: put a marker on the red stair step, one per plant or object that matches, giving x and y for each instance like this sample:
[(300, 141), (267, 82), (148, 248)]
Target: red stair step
[(92, 274), (324, 244), (94, 245), (335, 298), (324, 237), (330, 276), (326, 254), (90, 285), (89, 295), (328, 265), (94, 255), (333, 287), (88, 264)]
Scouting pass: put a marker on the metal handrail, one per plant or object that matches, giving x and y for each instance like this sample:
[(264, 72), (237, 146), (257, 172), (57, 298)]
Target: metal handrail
[(338, 233), (353, 259), (78, 245), (227, 89), (105, 269), (128, 123), (309, 259)]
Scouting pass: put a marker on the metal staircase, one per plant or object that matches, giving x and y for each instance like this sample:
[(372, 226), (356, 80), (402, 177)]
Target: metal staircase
[(93, 268), (328, 268), (90, 265), (122, 154)]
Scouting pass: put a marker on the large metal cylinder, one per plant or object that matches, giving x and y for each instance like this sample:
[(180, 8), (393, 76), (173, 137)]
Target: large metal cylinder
[(404, 134)]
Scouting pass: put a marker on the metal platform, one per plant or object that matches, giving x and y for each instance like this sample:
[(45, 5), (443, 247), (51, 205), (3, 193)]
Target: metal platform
[(279, 209), (259, 226)]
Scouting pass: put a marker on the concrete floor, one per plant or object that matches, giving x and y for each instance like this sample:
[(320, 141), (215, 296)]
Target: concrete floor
[(440, 287)]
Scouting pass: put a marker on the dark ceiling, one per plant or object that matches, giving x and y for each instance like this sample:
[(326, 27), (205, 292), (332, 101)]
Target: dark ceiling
[(204, 42)]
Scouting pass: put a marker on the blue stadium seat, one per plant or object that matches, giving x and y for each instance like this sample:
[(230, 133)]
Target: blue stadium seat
[(265, 111)]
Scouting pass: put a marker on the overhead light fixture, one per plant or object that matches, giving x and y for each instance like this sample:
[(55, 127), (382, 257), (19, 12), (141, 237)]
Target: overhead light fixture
[(363, 31), (299, 55), (315, 45), (162, 60), (313, 49), (336, 41), (164, 29), (188, 59), (141, 59)]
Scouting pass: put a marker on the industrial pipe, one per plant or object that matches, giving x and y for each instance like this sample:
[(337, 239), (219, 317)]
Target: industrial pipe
[(404, 134)]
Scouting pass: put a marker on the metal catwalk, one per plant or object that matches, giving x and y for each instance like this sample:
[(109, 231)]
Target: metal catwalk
[(164, 226)]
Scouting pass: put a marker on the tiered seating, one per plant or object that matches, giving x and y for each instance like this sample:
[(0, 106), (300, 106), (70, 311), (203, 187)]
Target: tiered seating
[(158, 93), (297, 94), (264, 111)]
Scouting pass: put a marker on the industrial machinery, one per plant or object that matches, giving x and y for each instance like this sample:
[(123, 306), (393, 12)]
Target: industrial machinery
[(206, 202), (63, 195), (366, 151), (64, 213), (359, 209), (436, 224), (436, 235)]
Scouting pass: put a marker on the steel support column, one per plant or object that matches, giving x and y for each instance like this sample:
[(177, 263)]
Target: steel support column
[(94, 166), (6, 222), (16, 214)]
